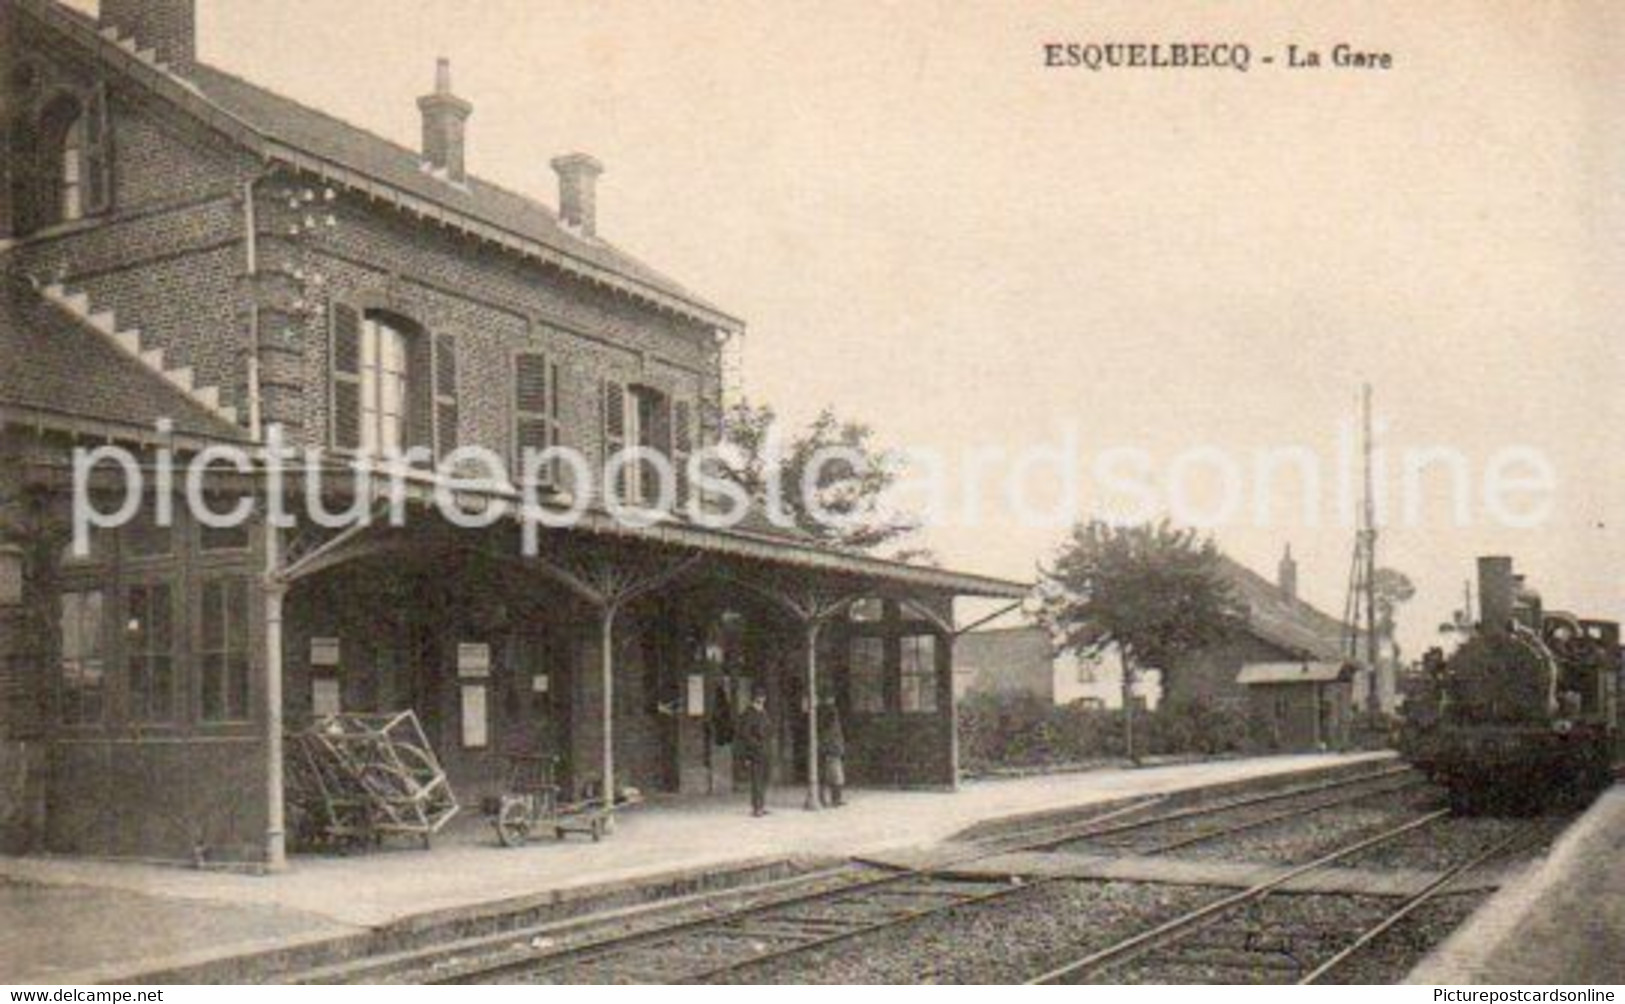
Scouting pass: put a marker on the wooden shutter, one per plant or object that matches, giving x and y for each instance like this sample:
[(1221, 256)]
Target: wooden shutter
[(445, 395), (420, 392), (344, 354), (98, 153), (682, 446), (614, 398), (535, 409)]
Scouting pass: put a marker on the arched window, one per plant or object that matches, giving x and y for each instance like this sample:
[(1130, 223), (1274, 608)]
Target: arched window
[(64, 131), (394, 384), (63, 168)]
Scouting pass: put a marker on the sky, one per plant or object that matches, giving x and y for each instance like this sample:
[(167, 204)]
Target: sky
[(930, 231)]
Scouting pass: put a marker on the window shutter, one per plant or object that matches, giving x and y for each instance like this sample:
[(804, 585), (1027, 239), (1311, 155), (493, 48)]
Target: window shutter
[(445, 395), (344, 418), (421, 363), (98, 180), (614, 397), (535, 409), (682, 445)]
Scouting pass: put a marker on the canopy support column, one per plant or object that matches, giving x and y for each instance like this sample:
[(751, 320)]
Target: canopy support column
[(276, 591), (812, 627)]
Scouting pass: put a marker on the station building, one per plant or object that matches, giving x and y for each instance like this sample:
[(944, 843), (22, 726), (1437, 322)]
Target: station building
[(191, 261)]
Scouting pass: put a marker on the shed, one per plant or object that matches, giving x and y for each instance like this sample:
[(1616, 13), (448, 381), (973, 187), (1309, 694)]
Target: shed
[(1299, 706)]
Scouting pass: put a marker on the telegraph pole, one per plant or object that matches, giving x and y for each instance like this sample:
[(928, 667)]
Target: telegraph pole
[(1362, 596)]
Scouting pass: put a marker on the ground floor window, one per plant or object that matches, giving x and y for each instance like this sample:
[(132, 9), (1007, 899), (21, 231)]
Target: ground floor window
[(83, 661), (149, 645), (918, 690), (223, 655), (867, 674)]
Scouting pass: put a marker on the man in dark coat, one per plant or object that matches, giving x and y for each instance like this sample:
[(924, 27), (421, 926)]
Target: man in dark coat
[(831, 753), (751, 737)]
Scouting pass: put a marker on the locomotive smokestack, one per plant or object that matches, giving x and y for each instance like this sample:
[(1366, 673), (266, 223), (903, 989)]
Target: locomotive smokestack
[(1496, 591)]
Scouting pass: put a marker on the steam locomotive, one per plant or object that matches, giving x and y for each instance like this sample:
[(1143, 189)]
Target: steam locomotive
[(1525, 712)]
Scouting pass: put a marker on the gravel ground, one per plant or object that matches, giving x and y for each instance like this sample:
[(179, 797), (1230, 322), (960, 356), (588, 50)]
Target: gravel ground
[(1295, 841), (1043, 925), (1437, 847), (1006, 941), (1397, 952), (524, 944), (1275, 940), (1292, 840)]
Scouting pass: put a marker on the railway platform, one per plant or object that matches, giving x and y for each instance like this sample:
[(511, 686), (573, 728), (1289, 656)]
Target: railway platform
[(1562, 921), (81, 921)]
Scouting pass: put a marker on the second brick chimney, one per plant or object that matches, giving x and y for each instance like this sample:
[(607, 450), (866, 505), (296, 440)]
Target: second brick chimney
[(578, 191), (167, 27), (444, 115), (1287, 575)]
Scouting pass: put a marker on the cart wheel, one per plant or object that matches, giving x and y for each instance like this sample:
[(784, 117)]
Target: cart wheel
[(513, 824)]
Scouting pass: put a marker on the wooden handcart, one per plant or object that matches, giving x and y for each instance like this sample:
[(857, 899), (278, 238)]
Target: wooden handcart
[(531, 805)]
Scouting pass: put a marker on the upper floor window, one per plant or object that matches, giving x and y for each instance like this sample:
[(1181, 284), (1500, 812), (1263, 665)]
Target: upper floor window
[(640, 416), (65, 167), (394, 386), (70, 162), (383, 387), (535, 412)]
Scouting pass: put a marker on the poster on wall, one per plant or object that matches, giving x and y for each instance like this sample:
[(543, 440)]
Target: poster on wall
[(325, 696), (324, 652), (475, 731), (473, 659)]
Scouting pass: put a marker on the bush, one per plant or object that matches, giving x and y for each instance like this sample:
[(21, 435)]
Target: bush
[(1002, 731), (1023, 730), (1194, 727)]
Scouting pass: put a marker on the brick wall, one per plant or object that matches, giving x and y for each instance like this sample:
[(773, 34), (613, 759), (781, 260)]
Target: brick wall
[(492, 304), (170, 259)]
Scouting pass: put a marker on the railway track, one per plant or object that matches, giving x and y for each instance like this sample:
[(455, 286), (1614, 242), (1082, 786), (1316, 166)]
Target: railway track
[(1254, 932), (715, 946)]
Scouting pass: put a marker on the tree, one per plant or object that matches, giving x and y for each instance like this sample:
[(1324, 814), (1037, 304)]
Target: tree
[(1392, 589), (773, 468), (1154, 592)]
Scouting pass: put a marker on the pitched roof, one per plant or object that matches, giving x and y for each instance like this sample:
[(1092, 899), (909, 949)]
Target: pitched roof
[(1294, 672), (58, 368), (283, 129), (1282, 620)]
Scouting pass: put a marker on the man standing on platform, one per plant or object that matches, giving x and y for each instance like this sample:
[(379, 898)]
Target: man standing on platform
[(831, 753), (752, 735)]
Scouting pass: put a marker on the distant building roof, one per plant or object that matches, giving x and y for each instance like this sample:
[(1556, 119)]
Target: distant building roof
[(1295, 672), (1282, 620)]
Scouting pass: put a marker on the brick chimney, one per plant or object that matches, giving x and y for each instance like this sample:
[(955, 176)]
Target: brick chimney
[(167, 27), (578, 191), (443, 117), (1286, 575)]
